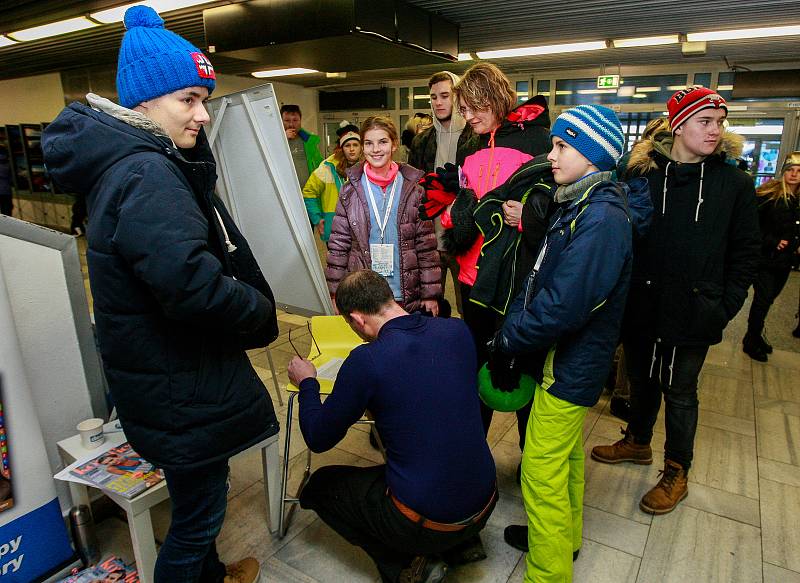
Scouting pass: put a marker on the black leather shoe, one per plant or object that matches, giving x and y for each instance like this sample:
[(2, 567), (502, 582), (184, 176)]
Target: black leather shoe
[(620, 407), (766, 346), (753, 349), (516, 536)]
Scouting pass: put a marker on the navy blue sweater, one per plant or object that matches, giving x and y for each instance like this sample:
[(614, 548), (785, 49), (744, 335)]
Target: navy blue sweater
[(418, 381)]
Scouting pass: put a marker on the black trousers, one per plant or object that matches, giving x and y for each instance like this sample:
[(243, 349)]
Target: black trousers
[(766, 288), (673, 371), (353, 501)]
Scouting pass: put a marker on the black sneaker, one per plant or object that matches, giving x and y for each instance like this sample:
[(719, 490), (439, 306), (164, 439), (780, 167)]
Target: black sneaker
[(424, 570), (516, 536), (752, 349), (766, 346)]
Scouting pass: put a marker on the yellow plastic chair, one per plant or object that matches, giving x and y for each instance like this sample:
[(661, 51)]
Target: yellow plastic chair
[(332, 338)]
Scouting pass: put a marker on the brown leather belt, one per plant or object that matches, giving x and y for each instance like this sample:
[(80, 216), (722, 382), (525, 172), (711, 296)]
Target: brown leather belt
[(415, 516)]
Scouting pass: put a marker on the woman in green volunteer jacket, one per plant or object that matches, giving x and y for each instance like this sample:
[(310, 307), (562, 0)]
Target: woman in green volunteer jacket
[(321, 192)]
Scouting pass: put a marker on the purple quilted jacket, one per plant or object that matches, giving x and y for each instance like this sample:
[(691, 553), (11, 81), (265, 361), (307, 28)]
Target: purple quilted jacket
[(348, 246)]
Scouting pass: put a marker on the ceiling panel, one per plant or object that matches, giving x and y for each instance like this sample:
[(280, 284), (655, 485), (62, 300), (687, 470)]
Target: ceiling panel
[(485, 25)]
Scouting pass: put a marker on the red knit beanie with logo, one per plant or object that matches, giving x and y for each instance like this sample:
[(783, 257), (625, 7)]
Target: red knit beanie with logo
[(687, 102)]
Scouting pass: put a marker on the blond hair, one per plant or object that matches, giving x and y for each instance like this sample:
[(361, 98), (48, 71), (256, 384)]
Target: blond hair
[(484, 87), (775, 190), (381, 122)]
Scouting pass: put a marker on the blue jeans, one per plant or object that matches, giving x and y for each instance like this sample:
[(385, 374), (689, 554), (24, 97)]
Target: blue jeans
[(672, 371), (199, 499)]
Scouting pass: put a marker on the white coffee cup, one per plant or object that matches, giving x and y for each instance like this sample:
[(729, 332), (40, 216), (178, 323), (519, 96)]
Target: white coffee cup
[(91, 432)]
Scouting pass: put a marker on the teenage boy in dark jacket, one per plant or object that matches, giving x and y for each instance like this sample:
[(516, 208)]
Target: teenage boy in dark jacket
[(571, 310), (178, 296), (690, 277)]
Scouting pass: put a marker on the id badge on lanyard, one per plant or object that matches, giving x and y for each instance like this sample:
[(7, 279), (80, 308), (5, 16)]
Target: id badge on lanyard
[(382, 253)]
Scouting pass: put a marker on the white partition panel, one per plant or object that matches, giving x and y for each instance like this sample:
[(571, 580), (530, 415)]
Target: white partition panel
[(258, 184), (48, 299)]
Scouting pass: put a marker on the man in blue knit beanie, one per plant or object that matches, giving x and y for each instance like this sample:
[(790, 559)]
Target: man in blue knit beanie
[(178, 295), (568, 318)]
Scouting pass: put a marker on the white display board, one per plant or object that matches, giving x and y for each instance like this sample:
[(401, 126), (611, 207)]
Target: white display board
[(46, 292), (35, 541), (258, 184)]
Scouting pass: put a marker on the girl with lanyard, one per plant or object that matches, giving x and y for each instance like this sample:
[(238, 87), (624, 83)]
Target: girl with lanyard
[(377, 224)]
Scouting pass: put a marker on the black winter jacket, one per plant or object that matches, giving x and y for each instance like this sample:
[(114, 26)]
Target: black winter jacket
[(692, 270), (779, 220), (508, 254), (175, 304)]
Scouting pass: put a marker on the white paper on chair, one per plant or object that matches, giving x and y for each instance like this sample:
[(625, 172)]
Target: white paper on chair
[(330, 369)]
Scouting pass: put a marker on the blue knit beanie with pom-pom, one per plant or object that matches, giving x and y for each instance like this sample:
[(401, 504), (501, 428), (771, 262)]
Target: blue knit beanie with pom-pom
[(154, 61)]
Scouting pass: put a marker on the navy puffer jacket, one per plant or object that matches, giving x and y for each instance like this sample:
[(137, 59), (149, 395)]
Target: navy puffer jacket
[(573, 304), (173, 312)]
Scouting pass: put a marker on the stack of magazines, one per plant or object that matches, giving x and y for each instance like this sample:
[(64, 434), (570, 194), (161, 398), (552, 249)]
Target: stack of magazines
[(108, 570), (118, 469)]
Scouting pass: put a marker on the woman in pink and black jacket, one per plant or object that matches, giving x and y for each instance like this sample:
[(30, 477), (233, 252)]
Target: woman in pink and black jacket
[(508, 137)]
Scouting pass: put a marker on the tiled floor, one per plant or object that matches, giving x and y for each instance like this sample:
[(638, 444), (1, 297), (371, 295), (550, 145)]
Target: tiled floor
[(738, 524)]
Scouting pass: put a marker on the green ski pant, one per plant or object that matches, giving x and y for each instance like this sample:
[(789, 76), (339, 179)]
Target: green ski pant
[(552, 487)]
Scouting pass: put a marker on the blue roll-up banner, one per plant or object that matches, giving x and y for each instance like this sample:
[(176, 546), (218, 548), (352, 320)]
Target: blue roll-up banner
[(33, 537)]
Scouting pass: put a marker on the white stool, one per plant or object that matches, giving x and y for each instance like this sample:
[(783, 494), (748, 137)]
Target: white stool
[(138, 508)]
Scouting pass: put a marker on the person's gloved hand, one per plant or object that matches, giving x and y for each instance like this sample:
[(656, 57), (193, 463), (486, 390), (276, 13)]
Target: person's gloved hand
[(444, 179), (440, 191), (504, 370)]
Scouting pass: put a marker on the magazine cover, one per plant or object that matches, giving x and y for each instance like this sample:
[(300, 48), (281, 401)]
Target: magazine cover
[(6, 494), (110, 570), (120, 470)]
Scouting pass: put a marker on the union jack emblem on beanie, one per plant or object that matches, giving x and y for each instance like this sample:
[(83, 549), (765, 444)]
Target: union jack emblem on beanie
[(154, 61), (687, 102)]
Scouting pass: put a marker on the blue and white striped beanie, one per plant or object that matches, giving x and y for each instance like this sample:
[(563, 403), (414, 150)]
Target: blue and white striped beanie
[(594, 131), (154, 61)]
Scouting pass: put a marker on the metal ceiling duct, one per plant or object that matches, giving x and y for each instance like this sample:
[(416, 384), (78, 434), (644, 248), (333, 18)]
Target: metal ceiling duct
[(335, 35)]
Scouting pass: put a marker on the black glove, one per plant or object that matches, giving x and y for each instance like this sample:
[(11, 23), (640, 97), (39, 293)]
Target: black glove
[(444, 178), (504, 371)]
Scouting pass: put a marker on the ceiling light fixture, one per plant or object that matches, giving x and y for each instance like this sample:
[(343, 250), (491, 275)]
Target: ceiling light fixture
[(771, 31), (282, 72), (52, 29), (6, 42), (542, 50), (724, 87), (645, 41), (464, 57), (117, 14), (639, 95), (648, 89)]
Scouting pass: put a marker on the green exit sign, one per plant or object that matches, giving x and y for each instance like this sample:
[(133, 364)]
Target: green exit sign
[(608, 82)]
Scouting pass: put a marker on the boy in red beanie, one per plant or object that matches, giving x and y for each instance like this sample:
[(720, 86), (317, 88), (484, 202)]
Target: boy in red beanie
[(690, 277)]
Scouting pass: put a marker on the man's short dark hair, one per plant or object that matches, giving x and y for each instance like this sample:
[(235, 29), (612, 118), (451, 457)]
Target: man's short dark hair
[(439, 77), (291, 108), (363, 291)]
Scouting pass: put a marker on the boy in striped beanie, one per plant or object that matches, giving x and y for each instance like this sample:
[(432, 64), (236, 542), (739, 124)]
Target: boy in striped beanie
[(568, 319)]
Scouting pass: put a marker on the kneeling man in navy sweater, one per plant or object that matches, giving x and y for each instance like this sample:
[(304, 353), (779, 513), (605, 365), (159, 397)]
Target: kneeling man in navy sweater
[(416, 376)]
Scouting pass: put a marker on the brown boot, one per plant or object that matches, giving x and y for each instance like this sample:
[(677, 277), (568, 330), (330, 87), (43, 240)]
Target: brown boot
[(671, 489), (245, 571), (624, 450)]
